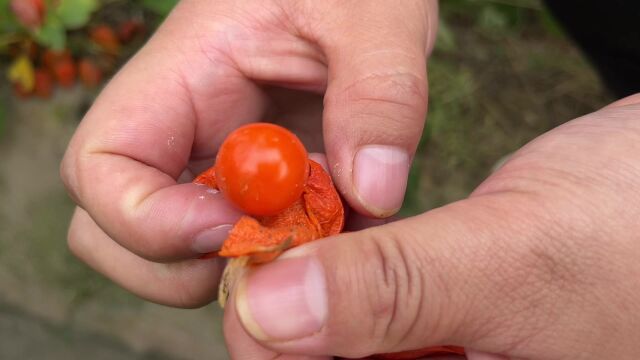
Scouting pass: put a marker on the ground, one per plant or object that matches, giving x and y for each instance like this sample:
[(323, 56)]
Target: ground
[(490, 92)]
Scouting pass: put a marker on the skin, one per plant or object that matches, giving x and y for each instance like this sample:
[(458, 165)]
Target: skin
[(540, 262)]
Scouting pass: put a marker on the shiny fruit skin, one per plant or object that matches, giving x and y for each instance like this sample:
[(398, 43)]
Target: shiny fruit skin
[(262, 168)]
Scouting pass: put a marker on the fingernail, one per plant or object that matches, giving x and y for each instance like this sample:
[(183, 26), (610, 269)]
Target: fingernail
[(211, 240), (380, 178), (283, 300)]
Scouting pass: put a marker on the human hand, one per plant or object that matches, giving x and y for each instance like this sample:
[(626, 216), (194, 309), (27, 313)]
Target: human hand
[(212, 66), (540, 262)]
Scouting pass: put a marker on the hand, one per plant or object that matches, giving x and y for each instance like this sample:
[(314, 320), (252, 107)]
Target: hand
[(211, 67), (540, 262)]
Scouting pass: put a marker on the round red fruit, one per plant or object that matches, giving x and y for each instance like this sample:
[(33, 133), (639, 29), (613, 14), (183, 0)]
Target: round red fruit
[(29, 12), (90, 74), (43, 84), (105, 37), (262, 168), (65, 72)]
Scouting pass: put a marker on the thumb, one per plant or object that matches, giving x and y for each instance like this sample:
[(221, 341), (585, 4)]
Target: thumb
[(376, 100), (453, 276)]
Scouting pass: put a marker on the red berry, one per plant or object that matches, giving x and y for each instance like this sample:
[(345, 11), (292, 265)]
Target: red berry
[(50, 58), (65, 72), (105, 37), (128, 30), (44, 83), (90, 74), (262, 168), (29, 12)]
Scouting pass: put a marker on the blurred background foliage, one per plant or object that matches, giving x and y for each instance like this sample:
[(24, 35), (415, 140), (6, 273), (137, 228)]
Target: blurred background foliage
[(502, 73), (46, 44)]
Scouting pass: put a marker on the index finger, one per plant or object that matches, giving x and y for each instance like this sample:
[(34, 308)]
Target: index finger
[(169, 105)]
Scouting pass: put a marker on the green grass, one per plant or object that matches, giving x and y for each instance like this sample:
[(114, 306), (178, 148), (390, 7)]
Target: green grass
[(501, 74)]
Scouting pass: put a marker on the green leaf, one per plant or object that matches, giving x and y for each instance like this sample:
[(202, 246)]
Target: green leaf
[(75, 13), (8, 21), (160, 7), (52, 33)]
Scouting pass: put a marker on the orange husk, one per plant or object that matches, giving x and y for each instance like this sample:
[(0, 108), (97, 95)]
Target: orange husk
[(208, 178), (322, 202), (318, 213)]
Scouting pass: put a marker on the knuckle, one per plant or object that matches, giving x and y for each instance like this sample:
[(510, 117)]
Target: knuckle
[(402, 89), (393, 301), (390, 294), (68, 174), (392, 98), (76, 167)]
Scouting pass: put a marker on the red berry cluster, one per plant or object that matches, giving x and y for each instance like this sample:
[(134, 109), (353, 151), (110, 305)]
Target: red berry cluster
[(63, 69)]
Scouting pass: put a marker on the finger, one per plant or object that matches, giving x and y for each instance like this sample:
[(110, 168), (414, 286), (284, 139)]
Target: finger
[(376, 100), (355, 221), (479, 273), (186, 284), (242, 346), (170, 104), (239, 344)]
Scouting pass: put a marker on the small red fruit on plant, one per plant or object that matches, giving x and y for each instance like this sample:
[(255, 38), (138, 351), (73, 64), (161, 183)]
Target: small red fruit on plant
[(50, 58), (128, 30), (65, 72), (90, 74), (29, 12), (61, 65), (262, 168), (106, 38), (44, 83)]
